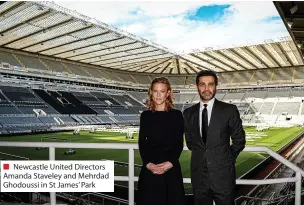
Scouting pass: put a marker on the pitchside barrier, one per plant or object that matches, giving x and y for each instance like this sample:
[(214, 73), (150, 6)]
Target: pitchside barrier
[(262, 165), (297, 179)]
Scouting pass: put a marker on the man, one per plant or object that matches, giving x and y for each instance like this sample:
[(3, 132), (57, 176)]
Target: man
[(209, 125)]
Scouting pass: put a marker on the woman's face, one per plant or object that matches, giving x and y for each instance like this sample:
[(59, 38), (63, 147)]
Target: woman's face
[(160, 93)]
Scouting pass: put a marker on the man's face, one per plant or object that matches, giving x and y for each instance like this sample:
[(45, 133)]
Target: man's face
[(206, 88)]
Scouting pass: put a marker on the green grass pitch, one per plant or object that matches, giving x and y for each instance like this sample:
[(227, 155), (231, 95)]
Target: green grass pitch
[(275, 138)]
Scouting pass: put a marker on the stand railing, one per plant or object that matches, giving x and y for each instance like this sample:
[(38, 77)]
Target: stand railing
[(131, 178)]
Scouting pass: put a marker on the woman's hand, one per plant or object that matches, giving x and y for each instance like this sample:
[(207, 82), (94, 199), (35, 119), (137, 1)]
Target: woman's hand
[(151, 166), (155, 169), (159, 168), (165, 166)]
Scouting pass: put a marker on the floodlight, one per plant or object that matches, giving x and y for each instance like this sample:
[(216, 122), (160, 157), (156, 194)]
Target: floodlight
[(294, 9)]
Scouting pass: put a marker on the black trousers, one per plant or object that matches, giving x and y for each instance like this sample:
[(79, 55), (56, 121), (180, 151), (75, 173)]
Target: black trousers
[(206, 194)]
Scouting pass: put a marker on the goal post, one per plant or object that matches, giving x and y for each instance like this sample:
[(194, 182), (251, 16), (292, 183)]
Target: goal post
[(262, 127), (129, 134), (56, 139), (76, 131)]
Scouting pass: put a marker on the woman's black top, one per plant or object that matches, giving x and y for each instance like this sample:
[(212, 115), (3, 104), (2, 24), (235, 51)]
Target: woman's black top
[(161, 140)]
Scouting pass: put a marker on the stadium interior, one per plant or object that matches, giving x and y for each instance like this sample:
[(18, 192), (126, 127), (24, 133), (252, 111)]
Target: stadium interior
[(61, 71)]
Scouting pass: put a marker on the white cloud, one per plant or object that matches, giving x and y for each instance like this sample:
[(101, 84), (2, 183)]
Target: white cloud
[(113, 12), (166, 23), (169, 8), (252, 11)]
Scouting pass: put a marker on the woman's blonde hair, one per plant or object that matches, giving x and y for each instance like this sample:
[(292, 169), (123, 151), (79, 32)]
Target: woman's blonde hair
[(169, 101)]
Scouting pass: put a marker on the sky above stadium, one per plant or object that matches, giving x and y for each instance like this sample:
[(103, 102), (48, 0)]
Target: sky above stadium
[(187, 25)]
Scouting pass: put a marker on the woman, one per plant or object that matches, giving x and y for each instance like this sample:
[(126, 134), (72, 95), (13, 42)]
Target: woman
[(160, 145)]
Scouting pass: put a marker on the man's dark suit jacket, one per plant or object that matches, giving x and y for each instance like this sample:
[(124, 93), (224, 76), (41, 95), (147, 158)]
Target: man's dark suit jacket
[(217, 154)]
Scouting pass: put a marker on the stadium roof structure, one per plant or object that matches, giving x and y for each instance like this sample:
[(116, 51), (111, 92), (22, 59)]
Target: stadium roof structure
[(292, 14), (44, 28)]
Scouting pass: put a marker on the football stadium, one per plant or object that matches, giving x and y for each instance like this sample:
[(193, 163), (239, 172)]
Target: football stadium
[(68, 78)]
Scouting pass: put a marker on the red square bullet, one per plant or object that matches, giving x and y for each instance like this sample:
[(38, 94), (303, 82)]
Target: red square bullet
[(6, 166)]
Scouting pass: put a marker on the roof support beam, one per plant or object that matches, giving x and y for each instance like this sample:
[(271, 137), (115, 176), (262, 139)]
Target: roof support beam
[(130, 65), (109, 48), (177, 65), (196, 56), (284, 18), (295, 17), (297, 55), (189, 66), (50, 39), (137, 68), (159, 68), (106, 54), (20, 3), (156, 55), (197, 64), (300, 38), (115, 39), (156, 65), (298, 30), (37, 32), (239, 56), (219, 60), (285, 54), (83, 39), (166, 67), (128, 55), (22, 23), (256, 56), (262, 47), (141, 69), (186, 69)]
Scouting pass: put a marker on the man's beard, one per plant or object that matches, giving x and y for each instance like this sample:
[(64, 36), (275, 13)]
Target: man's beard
[(204, 99)]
